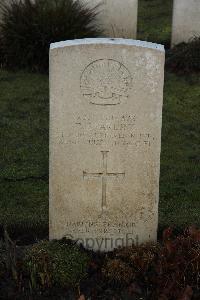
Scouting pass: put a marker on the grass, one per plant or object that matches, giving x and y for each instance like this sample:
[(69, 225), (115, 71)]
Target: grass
[(24, 151), (24, 125), (180, 180), (154, 21)]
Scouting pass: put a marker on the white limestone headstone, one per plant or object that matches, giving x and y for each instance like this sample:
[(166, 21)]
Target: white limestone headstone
[(117, 18), (105, 141), (186, 20)]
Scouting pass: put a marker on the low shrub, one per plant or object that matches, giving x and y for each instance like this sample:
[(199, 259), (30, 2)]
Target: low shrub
[(129, 264), (118, 272), (28, 27), (185, 57), (56, 263), (169, 270)]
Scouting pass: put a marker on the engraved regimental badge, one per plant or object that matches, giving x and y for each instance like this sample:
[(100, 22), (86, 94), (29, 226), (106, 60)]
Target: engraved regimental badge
[(106, 82)]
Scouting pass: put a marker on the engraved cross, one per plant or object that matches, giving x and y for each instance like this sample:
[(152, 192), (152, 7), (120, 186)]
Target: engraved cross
[(104, 175)]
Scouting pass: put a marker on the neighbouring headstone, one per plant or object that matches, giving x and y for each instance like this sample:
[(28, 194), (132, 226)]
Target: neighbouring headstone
[(186, 20), (117, 18), (105, 141)]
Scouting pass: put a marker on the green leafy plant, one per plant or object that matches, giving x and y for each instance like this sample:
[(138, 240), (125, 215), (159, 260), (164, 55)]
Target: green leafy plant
[(28, 27), (55, 263), (185, 57)]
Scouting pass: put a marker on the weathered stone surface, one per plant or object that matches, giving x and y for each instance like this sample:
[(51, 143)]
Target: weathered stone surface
[(105, 140), (117, 18), (186, 20)]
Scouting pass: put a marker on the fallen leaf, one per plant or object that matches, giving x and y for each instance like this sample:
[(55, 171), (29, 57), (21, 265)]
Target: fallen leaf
[(167, 233), (188, 293), (194, 233), (134, 288), (82, 297)]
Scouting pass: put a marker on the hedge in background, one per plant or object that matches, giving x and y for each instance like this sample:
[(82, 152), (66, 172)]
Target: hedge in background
[(185, 57), (28, 27)]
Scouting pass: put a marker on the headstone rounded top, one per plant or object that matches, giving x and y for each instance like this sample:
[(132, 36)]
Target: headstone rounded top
[(125, 42)]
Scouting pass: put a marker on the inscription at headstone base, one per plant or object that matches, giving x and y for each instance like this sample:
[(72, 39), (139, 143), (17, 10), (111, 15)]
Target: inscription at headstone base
[(117, 18), (105, 141), (186, 21)]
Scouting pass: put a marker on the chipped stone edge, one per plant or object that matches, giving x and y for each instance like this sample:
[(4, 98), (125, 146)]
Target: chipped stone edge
[(107, 41)]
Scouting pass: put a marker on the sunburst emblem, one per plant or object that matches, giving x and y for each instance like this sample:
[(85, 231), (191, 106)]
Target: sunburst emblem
[(106, 82)]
